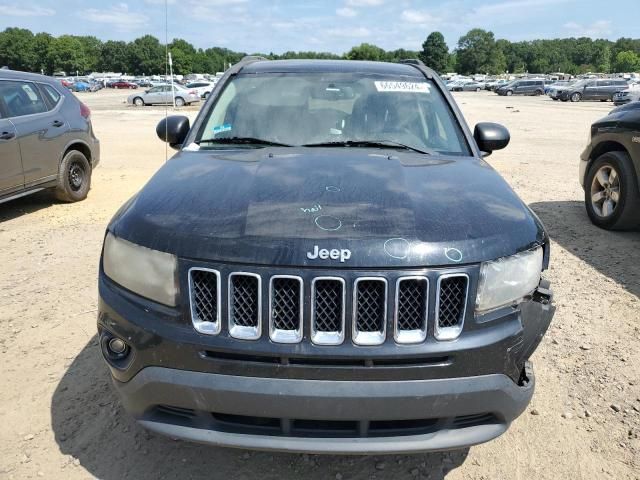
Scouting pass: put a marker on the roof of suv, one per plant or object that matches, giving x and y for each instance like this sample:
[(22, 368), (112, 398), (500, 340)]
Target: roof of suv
[(16, 75), (341, 66)]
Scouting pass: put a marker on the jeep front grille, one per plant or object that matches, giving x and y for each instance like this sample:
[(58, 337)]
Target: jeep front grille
[(450, 305), (327, 311), (369, 311), (285, 310), (204, 290), (245, 306), (412, 298), (319, 303)]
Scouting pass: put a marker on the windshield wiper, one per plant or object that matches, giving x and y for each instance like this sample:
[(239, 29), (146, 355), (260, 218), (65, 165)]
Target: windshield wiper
[(242, 141), (370, 143)]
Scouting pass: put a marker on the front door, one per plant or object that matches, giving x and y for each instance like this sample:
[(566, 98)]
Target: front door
[(40, 132), (590, 91)]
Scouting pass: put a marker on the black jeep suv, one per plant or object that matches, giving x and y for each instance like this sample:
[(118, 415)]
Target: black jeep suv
[(327, 265)]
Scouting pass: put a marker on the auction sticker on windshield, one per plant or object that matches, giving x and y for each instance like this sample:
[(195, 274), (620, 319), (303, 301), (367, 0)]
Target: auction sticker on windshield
[(413, 87)]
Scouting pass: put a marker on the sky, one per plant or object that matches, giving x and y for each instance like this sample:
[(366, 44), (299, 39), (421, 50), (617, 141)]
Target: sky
[(331, 25)]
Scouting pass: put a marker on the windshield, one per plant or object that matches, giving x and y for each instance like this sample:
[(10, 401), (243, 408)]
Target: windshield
[(332, 108)]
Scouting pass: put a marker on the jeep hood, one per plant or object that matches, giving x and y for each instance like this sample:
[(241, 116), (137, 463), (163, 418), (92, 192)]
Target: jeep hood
[(273, 205)]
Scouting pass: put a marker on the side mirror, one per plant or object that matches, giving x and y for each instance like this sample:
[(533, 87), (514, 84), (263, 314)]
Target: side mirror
[(491, 136), (173, 130)]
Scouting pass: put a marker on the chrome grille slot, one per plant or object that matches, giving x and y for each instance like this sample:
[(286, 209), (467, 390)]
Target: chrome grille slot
[(412, 294), (285, 309), (369, 310), (451, 305), (327, 310), (204, 296), (245, 305)]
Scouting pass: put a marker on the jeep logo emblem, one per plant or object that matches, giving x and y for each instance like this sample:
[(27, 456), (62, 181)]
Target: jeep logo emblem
[(334, 254)]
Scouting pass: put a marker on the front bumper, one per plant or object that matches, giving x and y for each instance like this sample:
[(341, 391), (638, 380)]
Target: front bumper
[(277, 414), (340, 399)]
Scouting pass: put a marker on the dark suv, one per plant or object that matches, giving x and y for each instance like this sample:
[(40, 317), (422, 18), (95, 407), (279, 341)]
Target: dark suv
[(46, 138), (522, 87), (327, 265), (592, 89)]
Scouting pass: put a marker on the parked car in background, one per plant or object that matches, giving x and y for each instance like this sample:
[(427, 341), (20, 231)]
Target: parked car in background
[(522, 87), (65, 83), (553, 90), (143, 83), (454, 84), (46, 138), (467, 86), (610, 170), (162, 95), (626, 96), (203, 87), (602, 89), (492, 85), (123, 84), (81, 87)]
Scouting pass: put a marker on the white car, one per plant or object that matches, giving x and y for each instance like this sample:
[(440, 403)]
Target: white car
[(203, 87), (162, 95)]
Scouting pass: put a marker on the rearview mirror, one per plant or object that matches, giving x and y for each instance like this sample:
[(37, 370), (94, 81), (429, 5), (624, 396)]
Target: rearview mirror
[(491, 136), (173, 130)]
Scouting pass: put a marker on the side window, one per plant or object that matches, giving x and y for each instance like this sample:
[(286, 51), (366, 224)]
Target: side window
[(21, 98), (52, 94)]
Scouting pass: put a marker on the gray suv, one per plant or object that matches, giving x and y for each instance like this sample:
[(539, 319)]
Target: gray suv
[(602, 89), (46, 139), (522, 87)]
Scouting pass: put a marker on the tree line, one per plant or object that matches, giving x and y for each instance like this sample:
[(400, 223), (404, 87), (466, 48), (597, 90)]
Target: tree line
[(478, 51)]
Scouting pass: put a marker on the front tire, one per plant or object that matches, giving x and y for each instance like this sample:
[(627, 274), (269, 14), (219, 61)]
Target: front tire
[(612, 197), (74, 177), (576, 97), (138, 102), (478, 89), (509, 93)]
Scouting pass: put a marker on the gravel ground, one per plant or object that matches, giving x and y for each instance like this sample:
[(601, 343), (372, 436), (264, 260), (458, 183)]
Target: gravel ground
[(61, 419)]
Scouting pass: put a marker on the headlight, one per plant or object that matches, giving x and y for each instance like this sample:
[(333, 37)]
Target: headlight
[(507, 280), (147, 272)]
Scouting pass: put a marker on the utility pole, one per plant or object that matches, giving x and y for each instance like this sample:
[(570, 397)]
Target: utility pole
[(173, 92)]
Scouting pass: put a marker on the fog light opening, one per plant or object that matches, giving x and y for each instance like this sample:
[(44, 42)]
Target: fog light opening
[(115, 350), (117, 346)]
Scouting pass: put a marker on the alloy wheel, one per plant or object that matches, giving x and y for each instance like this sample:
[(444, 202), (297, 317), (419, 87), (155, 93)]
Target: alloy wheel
[(605, 191)]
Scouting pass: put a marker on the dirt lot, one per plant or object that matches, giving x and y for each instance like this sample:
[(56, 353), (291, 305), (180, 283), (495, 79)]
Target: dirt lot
[(61, 420)]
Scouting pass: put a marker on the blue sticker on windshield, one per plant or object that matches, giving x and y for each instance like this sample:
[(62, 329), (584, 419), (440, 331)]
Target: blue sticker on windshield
[(222, 128)]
